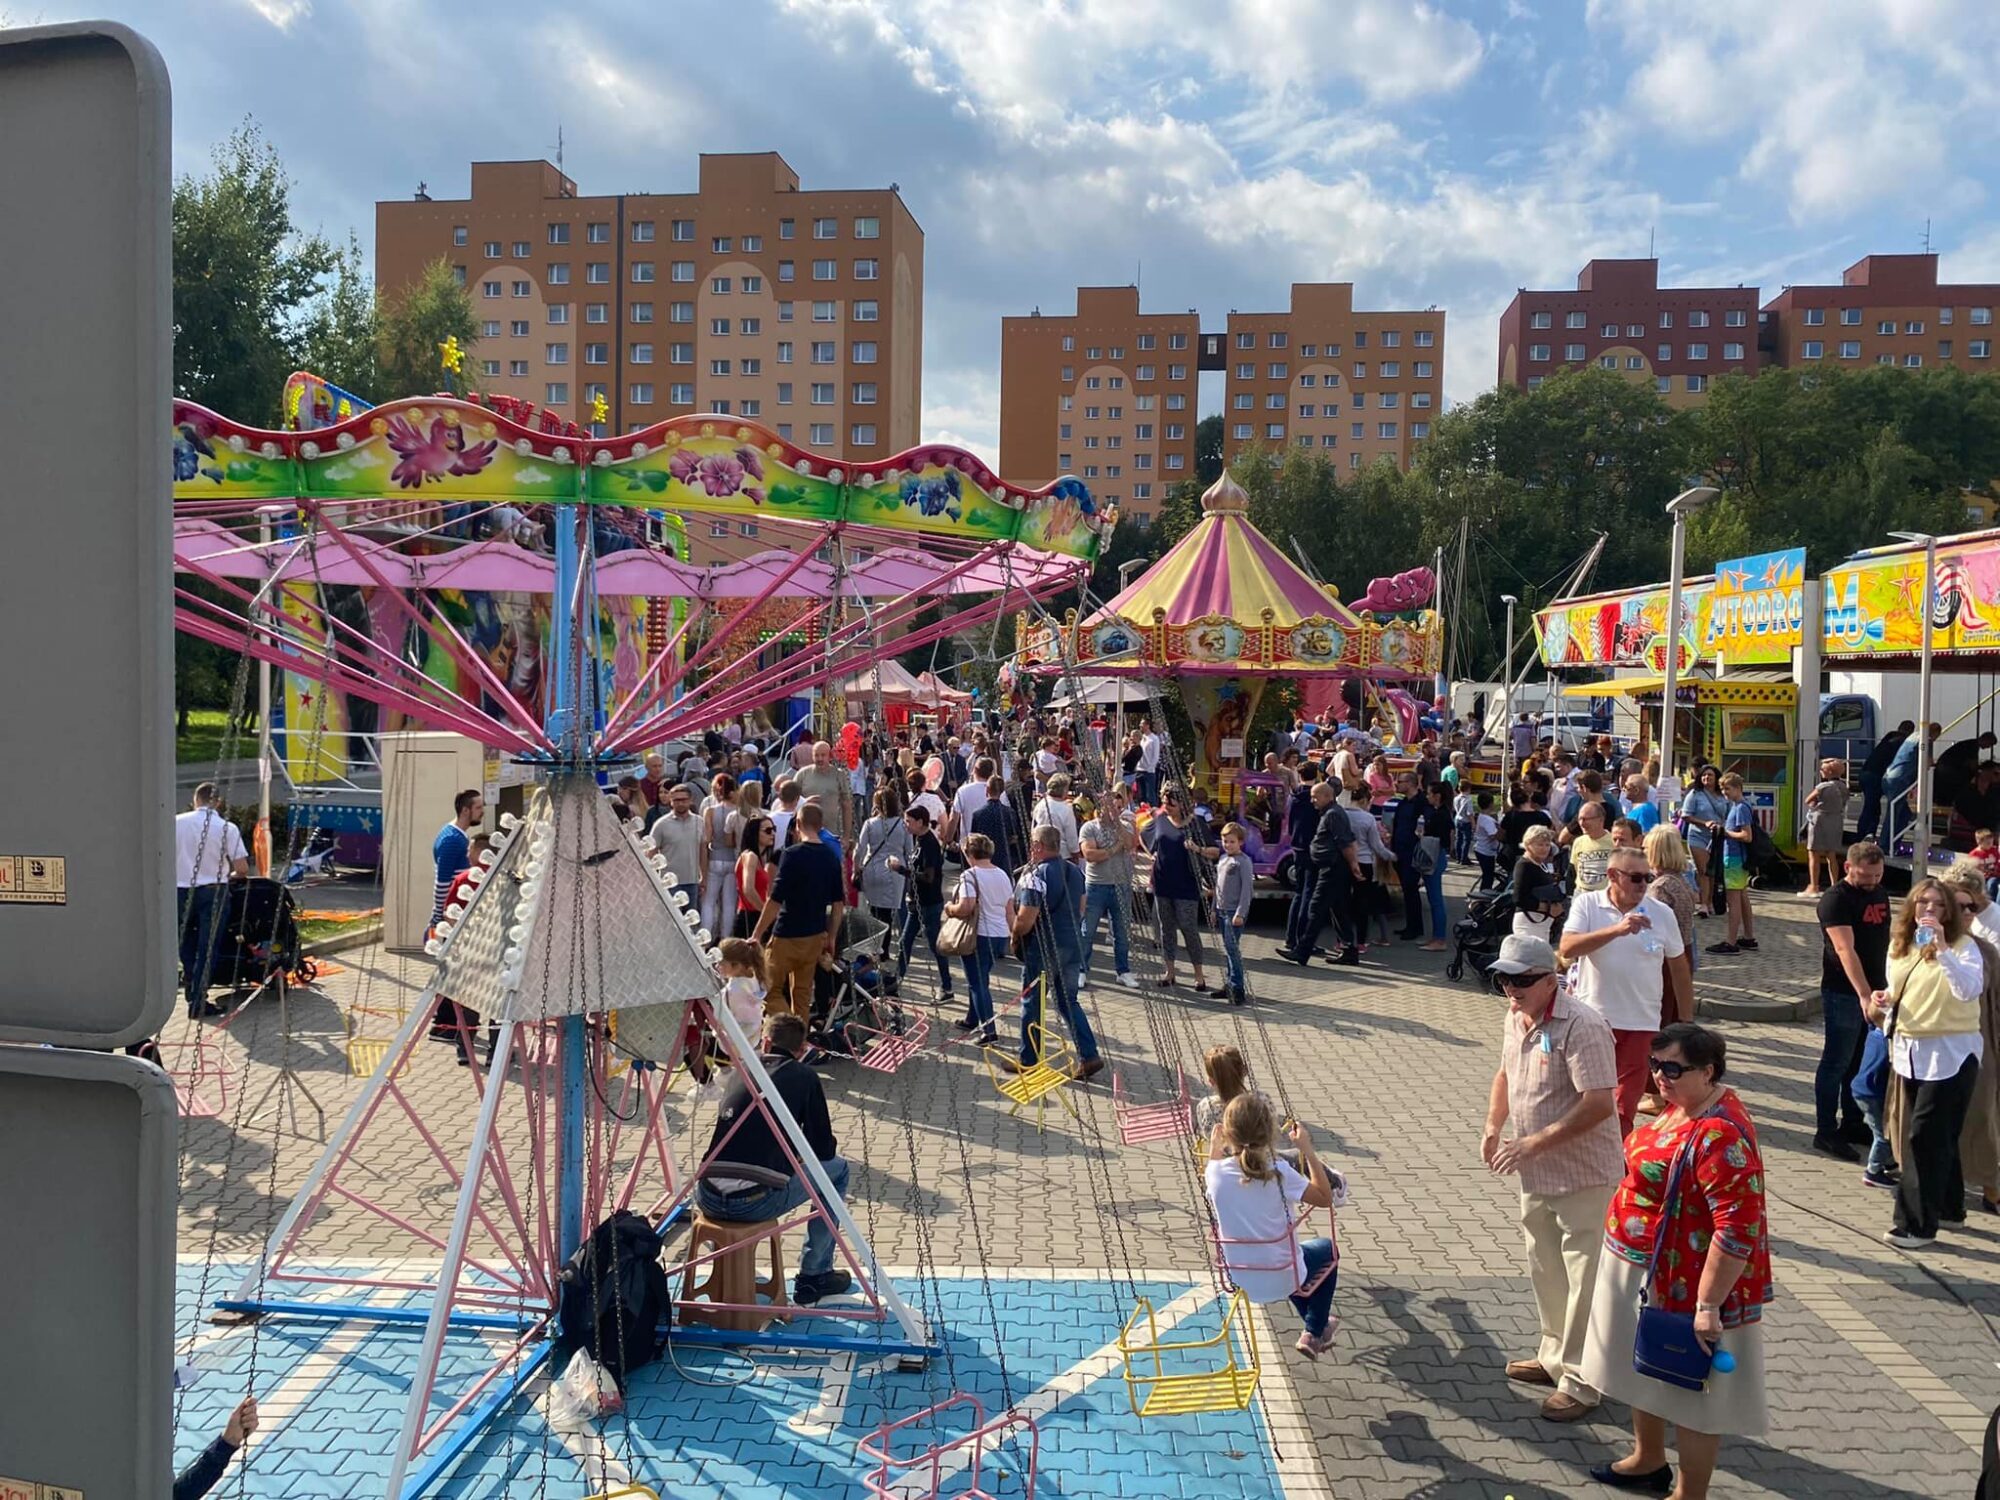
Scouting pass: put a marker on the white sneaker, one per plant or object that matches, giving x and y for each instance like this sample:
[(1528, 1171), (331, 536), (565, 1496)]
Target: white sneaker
[(1129, 980), (1908, 1241)]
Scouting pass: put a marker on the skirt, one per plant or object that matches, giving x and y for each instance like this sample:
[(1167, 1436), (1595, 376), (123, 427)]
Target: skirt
[(1731, 1406)]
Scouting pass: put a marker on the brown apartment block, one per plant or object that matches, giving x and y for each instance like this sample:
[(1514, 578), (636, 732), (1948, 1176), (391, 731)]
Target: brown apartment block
[(1357, 386), (1619, 317), (1887, 310), (747, 296), (1107, 395)]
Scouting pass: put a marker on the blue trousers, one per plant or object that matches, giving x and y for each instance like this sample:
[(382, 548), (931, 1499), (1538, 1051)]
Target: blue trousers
[(1232, 955), (1061, 978), (1434, 889), (1461, 843), (1895, 815), (978, 976), (1304, 876), (198, 937), (1098, 900), (1846, 1030), (1871, 807), (1317, 1305), (770, 1203), (928, 919)]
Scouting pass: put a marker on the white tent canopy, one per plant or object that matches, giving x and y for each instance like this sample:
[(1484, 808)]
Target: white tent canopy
[(1110, 690), (934, 689), (889, 680)]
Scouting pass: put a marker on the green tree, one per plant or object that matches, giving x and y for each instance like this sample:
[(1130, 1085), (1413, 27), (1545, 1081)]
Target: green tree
[(1208, 449), (243, 278), (413, 324), (340, 338)]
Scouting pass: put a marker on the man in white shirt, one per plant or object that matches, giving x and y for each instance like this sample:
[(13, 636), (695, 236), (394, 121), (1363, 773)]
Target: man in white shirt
[(968, 800), (1057, 811), (1149, 764), (208, 853), (1624, 943)]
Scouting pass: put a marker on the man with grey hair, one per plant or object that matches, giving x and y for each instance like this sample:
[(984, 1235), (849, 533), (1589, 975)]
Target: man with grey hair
[(827, 783), (1047, 921)]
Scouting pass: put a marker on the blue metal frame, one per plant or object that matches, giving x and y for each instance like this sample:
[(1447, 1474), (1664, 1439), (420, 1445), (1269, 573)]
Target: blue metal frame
[(469, 1427), (362, 1312)]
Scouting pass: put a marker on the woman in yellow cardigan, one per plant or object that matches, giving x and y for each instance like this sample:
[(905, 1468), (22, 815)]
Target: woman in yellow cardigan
[(1936, 975)]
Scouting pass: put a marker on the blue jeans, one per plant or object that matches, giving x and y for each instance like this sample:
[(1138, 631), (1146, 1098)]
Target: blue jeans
[(978, 974), (1871, 807), (1061, 979), (769, 1203), (1434, 889), (1149, 788), (1846, 1030), (198, 937), (1881, 1150), (1895, 815), (929, 919), (1232, 954), (1461, 843), (1316, 1306), (1303, 878), (1097, 901)]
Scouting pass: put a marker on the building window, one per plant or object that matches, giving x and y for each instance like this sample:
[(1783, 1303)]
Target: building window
[(752, 285), (1275, 401), (1850, 349), (597, 273), (559, 312), (1913, 361), (683, 271), (559, 234), (822, 393), (1697, 320), (1538, 353), (598, 354), (753, 367), (721, 244), (1944, 348), (1697, 351), (1092, 382), (490, 329), (1885, 325), (1278, 372), (681, 395), (642, 272), (557, 393), (784, 351), (1541, 320), (522, 249), (593, 312), (1697, 383), (823, 353), (1274, 432), (862, 393), (822, 434), (1426, 338), (1608, 331), (749, 327), (1420, 399), (1570, 320), (1635, 330), (642, 312), (523, 289), (490, 367), (677, 312), (597, 234), (784, 312), (1144, 372), (788, 270), (1241, 432), (1420, 430), (684, 230), (825, 270), (1389, 400), (1735, 317), (1534, 382), (1177, 460), (556, 354), (862, 353), (559, 273), (1246, 341), (1981, 316), (869, 269), (680, 354), (788, 229), (1663, 383), (1914, 326), (1850, 317), (1666, 320), (1391, 369), (1573, 353), (1815, 316), (459, 234), (491, 249), (826, 312), (1385, 429), (826, 229), (642, 354), (720, 285), (718, 367), (861, 434), (1979, 348), (1732, 351), (867, 310), (517, 368), (642, 231), (1177, 341), (1307, 381), (1176, 403)]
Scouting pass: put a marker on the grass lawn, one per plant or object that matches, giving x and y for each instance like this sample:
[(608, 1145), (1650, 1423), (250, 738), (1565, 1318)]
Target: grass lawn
[(202, 744)]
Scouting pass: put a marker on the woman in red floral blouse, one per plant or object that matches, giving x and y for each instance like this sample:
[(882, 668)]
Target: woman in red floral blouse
[(1714, 1262)]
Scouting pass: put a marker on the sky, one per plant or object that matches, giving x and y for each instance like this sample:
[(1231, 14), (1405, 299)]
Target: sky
[(1443, 153)]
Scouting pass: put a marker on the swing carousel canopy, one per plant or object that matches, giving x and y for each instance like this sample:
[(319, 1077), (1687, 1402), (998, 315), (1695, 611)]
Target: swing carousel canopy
[(1224, 601)]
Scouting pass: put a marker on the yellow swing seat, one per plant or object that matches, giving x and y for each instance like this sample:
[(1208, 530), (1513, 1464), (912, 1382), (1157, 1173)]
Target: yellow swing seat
[(1157, 1380), (1050, 1075), (626, 1492)]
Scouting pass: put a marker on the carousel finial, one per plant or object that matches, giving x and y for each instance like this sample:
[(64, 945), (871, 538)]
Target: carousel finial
[(1225, 495)]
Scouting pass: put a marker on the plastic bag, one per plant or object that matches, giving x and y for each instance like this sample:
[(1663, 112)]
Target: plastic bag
[(584, 1394)]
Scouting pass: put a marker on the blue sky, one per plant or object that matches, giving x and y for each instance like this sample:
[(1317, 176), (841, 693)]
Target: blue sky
[(1439, 153)]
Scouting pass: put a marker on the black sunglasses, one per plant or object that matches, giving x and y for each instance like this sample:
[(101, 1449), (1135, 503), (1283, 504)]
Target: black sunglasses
[(1667, 1068), (1520, 981)]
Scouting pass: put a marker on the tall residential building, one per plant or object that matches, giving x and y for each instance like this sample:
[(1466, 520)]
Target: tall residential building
[(1887, 310), (1621, 318), (1107, 395), (1366, 385), (747, 296)]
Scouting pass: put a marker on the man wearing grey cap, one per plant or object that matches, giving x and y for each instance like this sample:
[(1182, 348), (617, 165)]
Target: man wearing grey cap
[(1558, 1083)]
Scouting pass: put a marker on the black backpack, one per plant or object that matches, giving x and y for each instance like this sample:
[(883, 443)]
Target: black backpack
[(616, 1300), (1989, 1466)]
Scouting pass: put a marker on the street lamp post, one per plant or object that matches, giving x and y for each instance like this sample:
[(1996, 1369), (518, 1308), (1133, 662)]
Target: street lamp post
[(1920, 840), (1683, 505), (1507, 700)]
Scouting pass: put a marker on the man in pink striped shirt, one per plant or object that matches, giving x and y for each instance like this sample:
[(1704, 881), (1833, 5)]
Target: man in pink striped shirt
[(1558, 1083)]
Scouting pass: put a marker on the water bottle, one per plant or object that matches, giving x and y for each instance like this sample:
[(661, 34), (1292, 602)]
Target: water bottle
[(1926, 936)]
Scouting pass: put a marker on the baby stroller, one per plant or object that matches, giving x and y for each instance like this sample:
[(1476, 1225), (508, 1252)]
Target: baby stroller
[(1489, 917), (260, 939)]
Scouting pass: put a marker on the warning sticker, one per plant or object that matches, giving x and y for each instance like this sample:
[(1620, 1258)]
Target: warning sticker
[(20, 1489), (33, 880)]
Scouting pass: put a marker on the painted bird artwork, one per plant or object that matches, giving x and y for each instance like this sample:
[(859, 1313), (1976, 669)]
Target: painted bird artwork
[(442, 451), (190, 448)]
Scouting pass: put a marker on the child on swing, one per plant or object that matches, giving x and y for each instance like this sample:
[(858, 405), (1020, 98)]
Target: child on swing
[(1256, 1198)]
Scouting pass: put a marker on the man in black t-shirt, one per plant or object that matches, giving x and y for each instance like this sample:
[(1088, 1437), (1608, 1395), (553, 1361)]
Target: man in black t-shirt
[(803, 916), (1854, 962), (748, 1177)]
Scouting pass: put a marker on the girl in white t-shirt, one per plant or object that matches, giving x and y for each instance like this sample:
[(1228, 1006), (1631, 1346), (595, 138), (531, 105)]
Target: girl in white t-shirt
[(1256, 1198), (985, 895)]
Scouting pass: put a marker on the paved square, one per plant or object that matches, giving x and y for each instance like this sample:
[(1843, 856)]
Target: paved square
[(1882, 1370)]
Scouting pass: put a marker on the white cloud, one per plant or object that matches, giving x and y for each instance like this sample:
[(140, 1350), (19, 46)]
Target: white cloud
[(283, 14)]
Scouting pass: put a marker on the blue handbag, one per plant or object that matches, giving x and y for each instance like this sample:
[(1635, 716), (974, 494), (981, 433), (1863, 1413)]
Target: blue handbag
[(1665, 1347)]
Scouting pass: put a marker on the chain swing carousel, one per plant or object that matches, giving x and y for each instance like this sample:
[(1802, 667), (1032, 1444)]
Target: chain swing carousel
[(574, 940)]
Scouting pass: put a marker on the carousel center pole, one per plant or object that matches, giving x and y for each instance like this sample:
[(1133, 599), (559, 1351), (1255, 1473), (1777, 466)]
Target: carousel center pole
[(569, 726)]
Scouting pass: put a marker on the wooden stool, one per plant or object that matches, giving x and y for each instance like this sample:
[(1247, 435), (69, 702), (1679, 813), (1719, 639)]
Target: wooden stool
[(732, 1276)]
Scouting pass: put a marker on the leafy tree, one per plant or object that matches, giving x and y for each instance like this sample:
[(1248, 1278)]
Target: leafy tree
[(429, 311), (340, 338), (1208, 449), (243, 277)]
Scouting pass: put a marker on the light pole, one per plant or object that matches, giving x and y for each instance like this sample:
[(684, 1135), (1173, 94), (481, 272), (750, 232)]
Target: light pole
[(1507, 697), (1124, 570), (1683, 505), (1920, 840)]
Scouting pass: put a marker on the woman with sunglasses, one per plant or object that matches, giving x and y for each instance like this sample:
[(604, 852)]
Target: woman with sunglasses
[(1937, 974), (1713, 1262)]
